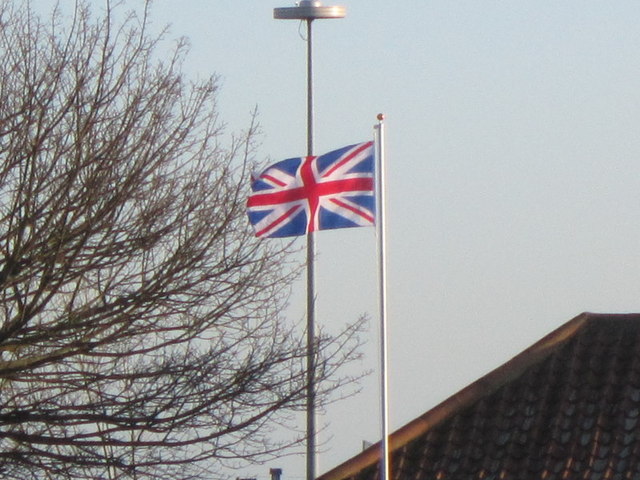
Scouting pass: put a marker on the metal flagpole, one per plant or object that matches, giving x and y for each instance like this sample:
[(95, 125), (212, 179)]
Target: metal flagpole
[(382, 278), (310, 10)]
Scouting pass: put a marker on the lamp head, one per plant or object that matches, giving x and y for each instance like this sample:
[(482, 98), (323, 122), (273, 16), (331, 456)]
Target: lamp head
[(308, 10)]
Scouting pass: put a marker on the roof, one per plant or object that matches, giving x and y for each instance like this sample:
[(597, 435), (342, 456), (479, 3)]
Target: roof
[(568, 407)]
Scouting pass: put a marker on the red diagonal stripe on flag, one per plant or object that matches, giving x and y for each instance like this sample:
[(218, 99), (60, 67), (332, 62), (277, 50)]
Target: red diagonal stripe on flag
[(274, 180), (278, 220), (358, 212), (362, 147)]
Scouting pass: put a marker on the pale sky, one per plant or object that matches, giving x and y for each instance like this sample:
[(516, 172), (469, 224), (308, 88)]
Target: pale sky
[(513, 173)]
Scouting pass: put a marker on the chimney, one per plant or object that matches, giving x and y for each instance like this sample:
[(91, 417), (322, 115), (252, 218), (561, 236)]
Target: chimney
[(276, 473)]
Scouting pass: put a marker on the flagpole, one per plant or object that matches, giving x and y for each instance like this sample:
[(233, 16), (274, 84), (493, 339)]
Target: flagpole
[(382, 285), (310, 10)]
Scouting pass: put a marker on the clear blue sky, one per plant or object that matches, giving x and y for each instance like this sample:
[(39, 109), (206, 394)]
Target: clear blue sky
[(513, 183)]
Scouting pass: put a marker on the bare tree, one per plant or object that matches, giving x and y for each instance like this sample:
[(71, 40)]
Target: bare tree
[(141, 333)]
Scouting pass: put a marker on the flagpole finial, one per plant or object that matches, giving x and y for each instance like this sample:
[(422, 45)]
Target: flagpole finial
[(380, 117)]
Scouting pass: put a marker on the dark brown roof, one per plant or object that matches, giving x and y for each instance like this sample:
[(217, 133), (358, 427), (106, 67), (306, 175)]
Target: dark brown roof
[(566, 408)]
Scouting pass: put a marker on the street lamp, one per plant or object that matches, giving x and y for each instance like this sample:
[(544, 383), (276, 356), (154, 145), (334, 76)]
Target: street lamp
[(310, 10)]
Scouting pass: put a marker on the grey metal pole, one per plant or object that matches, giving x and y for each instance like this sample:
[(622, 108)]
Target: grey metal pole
[(310, 10), (311, 294)]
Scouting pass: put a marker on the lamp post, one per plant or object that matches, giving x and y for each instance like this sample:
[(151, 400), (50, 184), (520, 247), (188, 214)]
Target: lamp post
[(308, 11)]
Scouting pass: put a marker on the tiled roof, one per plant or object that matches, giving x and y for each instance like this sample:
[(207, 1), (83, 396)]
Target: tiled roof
[(566, 408)]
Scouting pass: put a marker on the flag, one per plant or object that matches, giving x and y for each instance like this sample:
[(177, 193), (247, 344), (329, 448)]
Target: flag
[(305, 194)]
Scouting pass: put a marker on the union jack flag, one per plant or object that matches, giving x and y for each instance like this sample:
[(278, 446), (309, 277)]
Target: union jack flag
[(305, 194)]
